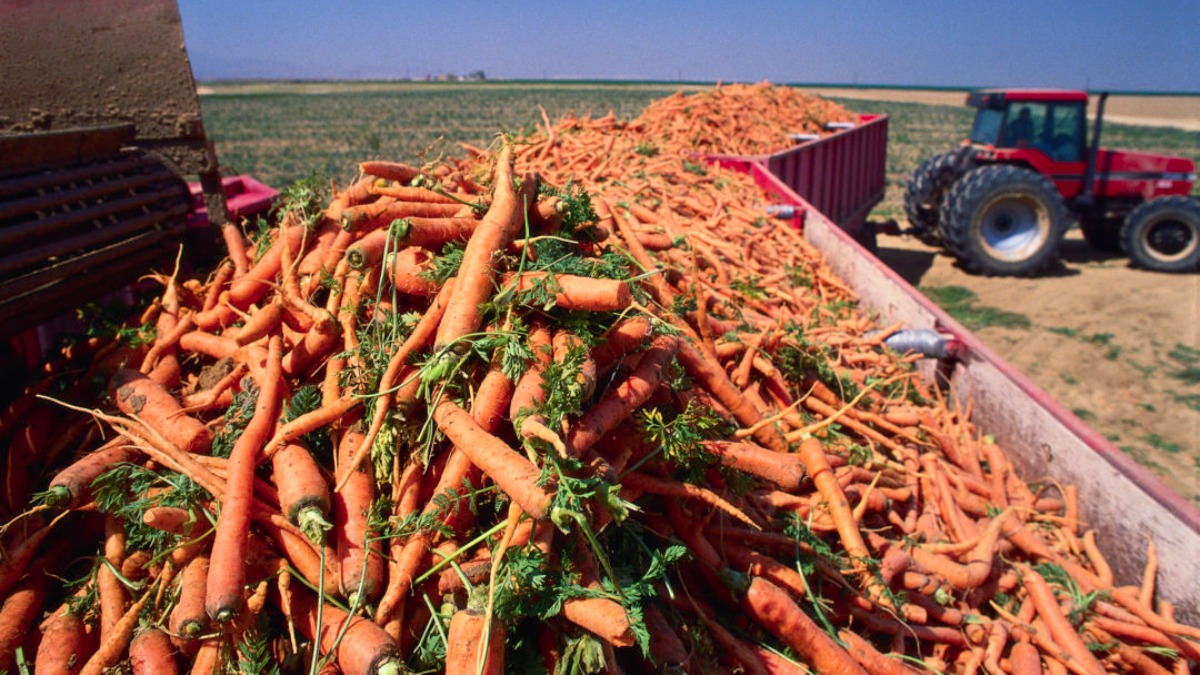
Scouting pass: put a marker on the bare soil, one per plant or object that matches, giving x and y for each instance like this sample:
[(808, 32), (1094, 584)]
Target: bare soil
[(1118, 346)]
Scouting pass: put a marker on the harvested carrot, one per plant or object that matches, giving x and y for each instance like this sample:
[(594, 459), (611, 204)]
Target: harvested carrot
[(137, 394), (151, 653), (474, 644), (227, 574), (358, 549)]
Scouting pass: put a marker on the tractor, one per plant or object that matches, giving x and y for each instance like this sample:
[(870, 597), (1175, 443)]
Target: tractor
[(1002, 201)]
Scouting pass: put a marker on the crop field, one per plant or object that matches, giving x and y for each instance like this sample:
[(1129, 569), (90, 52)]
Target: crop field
[(1114, 345)]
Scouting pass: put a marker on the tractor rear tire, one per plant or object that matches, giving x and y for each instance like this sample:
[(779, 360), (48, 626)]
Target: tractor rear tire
[(1002, 220), (923, 195), (1163, 235)]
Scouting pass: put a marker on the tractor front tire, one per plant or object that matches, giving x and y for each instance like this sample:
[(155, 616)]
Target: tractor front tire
[(923, 195), (1163, 235), (1002, 220)]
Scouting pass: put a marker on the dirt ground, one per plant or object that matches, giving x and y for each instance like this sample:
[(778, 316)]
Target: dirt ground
[(1120, 347)]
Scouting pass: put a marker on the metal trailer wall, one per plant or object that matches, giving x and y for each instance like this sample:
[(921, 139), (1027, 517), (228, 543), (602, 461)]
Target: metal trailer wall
[(1119, 498)]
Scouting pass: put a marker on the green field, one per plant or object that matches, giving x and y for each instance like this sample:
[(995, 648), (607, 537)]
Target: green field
[(283, 132)]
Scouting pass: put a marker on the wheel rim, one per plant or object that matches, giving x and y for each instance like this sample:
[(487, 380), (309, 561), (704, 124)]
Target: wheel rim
[(1013, 228), (1169, 240)]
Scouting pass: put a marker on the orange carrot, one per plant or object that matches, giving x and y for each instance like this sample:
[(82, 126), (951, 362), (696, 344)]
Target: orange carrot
[(303, 490), (570, 291), (623, 338), (474, 644), (137, 394), (71, 487), (377, 216), (18, 613), (511, 471), (363, 649), (112, 648), (405, 269), (1062, 632), (110, 589), (620, 402), (393, 171), (66, 643), (227, 573), (475, 274), (780, 616), (709, 375), (151, 653), (317, 343), (1024, 658), (188, 618), (250, 287), (329, 413), (359, 555), (784, 470)]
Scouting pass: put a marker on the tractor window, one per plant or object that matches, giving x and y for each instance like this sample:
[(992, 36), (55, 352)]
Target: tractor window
[(987, 126), (1066, 143), (1025, 126)]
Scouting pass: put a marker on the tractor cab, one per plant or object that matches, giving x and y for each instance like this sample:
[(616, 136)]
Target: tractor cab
[(1053, 122)]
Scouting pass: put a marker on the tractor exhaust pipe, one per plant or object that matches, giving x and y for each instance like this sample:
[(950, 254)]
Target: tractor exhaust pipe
[(1086, 193)]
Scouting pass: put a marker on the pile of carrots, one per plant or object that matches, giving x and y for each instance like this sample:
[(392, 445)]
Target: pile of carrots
[(573, 404)]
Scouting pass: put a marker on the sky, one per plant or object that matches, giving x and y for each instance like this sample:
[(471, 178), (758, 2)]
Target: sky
[(1119, 45)]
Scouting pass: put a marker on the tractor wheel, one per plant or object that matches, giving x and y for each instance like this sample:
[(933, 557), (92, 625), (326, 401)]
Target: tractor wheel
[(1102, 234), (1002, 220), (923, 195), (1163, 235)]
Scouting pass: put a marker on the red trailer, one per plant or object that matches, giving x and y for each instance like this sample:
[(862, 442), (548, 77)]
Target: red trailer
[(1119, 498)]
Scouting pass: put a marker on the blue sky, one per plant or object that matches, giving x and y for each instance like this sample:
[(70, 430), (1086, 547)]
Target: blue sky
[(1109, 44)]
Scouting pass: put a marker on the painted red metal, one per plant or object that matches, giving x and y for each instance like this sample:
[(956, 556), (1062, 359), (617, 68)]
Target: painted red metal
[(843, 174), (245, 198)]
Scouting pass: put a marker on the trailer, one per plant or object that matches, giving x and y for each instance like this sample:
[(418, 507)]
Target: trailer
[(1120, 499)]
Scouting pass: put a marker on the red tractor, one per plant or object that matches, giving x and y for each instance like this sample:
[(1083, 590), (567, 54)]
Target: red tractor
[(1003, 200)]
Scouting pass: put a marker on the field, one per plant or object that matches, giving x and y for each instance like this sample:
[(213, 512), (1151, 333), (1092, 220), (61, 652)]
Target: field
[(1119, 347)]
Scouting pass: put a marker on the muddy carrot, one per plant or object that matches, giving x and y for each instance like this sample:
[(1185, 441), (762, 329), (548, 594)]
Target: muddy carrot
[(137, 394), (18, 613), (66, 644)]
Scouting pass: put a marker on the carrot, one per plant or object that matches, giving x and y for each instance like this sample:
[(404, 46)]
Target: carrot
[(188, 618), (359, 555), (474, 644), (569, 291), (709, 375), (317, 343), (779, 615), (227, 574), (870, 658), (114, 646), (151, 653), (619, 403), (137, 394), (511, 471), (17, 615), (250, 287), (667, 649), (110, 589), (208, 656), (66, 643), (785, 471), (622, 338), (422, 333), (303, 490), (475, 274), (1024, 658), (363, 648), (329, 413), (646, 483), (377, 216), (405, 269), (71, 487), (1062, 632), (258, 325), (393, 171)]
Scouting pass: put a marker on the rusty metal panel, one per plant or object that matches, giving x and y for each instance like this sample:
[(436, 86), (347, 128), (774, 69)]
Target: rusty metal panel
[(69, 64)]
